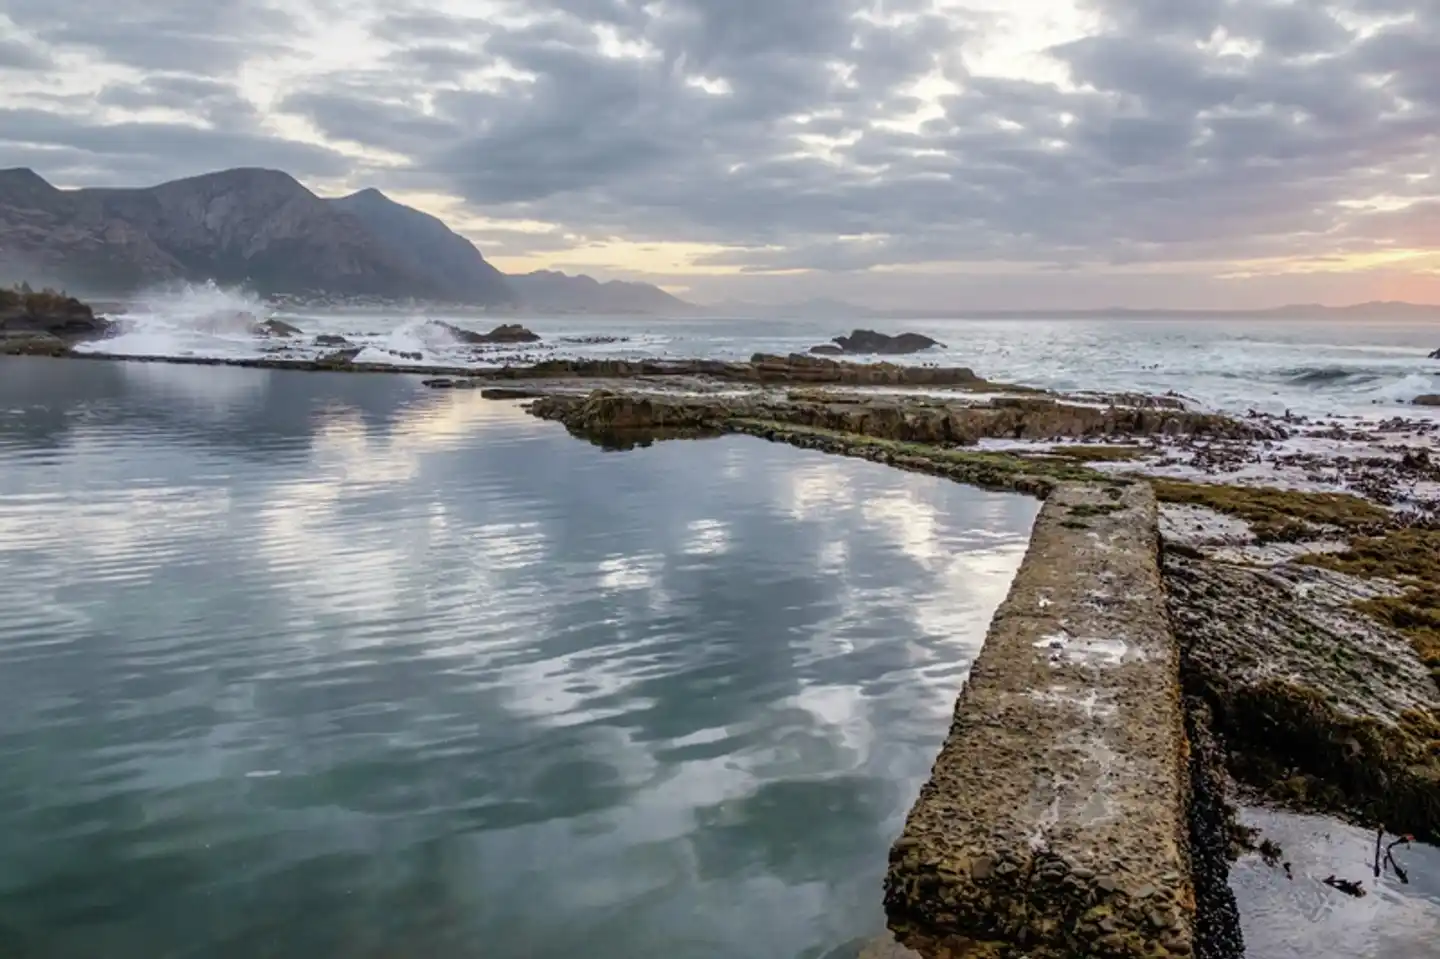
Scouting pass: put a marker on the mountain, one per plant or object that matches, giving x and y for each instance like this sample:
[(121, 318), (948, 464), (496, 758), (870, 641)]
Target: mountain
[(549, 291), (428, 248), (256, 227), (816, 308)]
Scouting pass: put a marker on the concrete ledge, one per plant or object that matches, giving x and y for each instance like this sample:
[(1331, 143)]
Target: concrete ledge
[(1055, 820)]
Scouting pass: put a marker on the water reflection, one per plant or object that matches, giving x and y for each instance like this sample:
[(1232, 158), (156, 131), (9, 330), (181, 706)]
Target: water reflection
[(297, 665)]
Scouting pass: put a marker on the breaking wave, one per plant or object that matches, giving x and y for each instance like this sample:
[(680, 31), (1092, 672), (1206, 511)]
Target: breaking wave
[(192, 319)]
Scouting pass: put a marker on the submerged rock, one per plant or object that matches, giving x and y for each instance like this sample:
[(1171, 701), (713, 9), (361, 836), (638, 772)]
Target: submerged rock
[(330, 339), (826, 349), (869, 341), (504, 333)]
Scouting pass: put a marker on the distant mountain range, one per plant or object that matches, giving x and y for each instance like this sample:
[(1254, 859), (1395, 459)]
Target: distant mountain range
[(838, 309), (264, 230)]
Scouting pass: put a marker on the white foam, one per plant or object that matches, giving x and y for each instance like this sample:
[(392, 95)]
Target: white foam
[(187, 320)]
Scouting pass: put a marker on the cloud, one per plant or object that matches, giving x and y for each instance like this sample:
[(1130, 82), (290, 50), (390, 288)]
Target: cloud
[(838, 136), (19, 55)]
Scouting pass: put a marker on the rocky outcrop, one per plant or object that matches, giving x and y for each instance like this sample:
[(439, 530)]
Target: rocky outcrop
[(1055, 821), (25, 313), (888, 418), (504, 333), (1321, 705), (32, 344), (869, 341), (331, 340), (277, 328), (1427, 399), (1435, 355), (827, 349)]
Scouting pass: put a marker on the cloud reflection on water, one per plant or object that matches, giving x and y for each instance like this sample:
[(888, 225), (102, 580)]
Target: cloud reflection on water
[(540, 687)]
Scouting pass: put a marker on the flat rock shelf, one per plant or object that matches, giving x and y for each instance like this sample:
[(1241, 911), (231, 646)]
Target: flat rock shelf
[(1055, 820)]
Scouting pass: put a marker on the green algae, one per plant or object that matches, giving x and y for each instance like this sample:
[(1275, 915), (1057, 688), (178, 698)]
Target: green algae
[(1409, 558), (990, 470), (1274, 514)]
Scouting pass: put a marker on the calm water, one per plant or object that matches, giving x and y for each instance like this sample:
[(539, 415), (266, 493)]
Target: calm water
[(307, 665)]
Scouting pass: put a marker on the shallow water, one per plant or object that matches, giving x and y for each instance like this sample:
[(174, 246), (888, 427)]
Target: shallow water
[(1302, 917), (332, 665)]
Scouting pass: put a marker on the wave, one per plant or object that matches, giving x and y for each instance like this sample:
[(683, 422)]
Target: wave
[(188, 319), (1333, 375)]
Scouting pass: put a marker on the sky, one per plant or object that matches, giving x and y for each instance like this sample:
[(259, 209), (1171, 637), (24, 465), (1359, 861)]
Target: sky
[(898, 153)]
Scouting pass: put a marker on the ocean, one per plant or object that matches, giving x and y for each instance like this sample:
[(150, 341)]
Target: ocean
[(319, 664), (1315, 367)]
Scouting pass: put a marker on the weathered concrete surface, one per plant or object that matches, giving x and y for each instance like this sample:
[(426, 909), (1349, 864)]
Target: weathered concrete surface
[(1055, 820)]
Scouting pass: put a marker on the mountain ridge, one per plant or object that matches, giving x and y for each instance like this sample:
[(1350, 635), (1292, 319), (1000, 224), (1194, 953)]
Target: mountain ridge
[(263, 229)]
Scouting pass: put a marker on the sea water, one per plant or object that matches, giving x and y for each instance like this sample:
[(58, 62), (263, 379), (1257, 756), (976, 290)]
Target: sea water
[(1317, 366)]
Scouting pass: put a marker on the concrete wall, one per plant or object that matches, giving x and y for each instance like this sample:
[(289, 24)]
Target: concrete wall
[(1054, 823)]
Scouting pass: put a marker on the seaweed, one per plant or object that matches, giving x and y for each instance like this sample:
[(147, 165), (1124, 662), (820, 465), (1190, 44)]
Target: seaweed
[(1274, 514)]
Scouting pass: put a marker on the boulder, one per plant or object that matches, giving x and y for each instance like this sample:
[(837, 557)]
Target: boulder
[(504, 333), (1435, 355), (827, 349), (274, 327), (1427, 399), (330, 339), (869, 341), (52, 314), (340, 357)]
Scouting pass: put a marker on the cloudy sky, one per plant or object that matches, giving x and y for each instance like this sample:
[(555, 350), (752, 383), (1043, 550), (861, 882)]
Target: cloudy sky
[(979, 153)]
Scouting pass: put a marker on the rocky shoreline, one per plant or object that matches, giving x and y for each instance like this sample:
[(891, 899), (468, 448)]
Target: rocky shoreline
[(1308, 618)]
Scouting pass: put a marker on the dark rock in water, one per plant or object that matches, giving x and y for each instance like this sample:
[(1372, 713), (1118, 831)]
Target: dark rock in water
[(827, 349), (1427, 399), (869, 341), (274, 327), (1435, 355), (330, 339), (504, 333), (50, 313), (406, 354), (339, 357), (593, 340)]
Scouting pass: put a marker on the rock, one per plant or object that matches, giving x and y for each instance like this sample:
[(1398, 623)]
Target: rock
[(330, 339), (50, 313), (1435, 355), (32, 344), (827, 349), (340, 357), (504, 333), (274, 327), (1427, 399), (869, 341)]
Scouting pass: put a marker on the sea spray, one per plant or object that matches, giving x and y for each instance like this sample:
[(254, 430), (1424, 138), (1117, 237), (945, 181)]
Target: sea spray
[(190, 319)]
